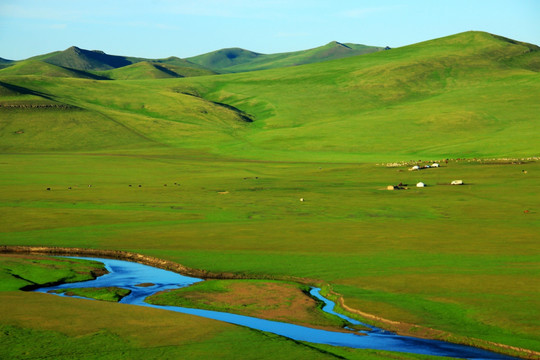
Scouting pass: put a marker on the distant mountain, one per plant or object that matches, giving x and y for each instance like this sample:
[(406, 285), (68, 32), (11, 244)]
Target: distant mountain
[(219, 61), (41, 68), (153, 70), (80, 59), (95, 64), (225, 58), (5, 62), (239, 60)]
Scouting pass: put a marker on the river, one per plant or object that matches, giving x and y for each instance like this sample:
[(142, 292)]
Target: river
[(128, 275)]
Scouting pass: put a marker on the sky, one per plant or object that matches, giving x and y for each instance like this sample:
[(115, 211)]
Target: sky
[(163, 28)]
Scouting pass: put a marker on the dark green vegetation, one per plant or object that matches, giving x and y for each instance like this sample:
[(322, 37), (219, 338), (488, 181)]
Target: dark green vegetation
[(238, 151), (239, 60), (113, 294)]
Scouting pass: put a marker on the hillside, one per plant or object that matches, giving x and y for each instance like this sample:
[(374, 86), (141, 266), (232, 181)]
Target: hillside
[(330, 51), (239, 60), (153, 70), (41, 68), (224, 58), (471, 94), (82, 59), (467, 95), (5, 62)]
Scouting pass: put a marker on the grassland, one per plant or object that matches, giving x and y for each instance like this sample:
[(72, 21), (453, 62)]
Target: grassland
[(221, 193), (36, 325), (113, 294), (272, 300)]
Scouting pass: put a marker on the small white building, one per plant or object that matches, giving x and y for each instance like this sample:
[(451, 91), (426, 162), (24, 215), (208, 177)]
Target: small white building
[(420, 184), (434, 165), (456, 182)]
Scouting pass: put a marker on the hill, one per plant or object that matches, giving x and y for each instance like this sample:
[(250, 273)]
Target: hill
[(239, 60), (467, 95), (222, 59), (470, 94), (5, 62), (153, 70), (82, 59), (41, 68)]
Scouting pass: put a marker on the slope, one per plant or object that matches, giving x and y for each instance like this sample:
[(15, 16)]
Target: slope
[(240, 60), (40, 68), (470, 94), (5, 63), (330, 51), (221, 59), (151, 70), (82, 59)]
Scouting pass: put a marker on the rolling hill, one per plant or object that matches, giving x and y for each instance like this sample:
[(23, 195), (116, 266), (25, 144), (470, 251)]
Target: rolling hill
[(468, 95), (41, 68), (239, 60), (153, 70)]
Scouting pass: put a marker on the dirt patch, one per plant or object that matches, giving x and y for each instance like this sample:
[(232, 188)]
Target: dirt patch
[(145, 284), (272, 300)]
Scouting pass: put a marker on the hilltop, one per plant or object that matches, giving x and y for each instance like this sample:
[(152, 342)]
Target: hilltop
[(239, 60), (99, 63)]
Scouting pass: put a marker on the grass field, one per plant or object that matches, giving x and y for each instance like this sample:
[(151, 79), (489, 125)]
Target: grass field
[(209, 172)]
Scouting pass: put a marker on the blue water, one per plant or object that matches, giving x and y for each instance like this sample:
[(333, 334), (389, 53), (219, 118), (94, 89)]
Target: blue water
[(127, 275)]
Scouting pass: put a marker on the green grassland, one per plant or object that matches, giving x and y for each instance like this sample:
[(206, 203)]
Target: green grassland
[(37, 325), (21, 271), (223, 160), (113, 294), (240, 60)]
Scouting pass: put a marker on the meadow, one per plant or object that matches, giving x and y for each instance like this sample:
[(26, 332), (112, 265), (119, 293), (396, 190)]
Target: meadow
[(209, 172)]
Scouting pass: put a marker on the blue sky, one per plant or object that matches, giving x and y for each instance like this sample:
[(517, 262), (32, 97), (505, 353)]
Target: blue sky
[(162, 28)]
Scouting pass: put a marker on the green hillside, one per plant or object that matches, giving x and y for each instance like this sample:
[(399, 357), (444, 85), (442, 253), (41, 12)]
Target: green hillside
[(467, 95), (5, 63), (82, 59), (330, 51), (151, 70), (239, 60), (471, 94), (224, 58), (40, 68)]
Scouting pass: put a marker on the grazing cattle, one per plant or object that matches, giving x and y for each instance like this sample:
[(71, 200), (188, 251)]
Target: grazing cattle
[(48, 189)]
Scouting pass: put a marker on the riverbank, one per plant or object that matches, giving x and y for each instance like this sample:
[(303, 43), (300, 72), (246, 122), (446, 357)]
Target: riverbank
[(398, 327)]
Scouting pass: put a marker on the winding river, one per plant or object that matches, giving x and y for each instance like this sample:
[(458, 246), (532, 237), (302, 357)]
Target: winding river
[(128, 275)]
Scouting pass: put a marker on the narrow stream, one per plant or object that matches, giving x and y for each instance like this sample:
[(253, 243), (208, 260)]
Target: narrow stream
[(128, 275)]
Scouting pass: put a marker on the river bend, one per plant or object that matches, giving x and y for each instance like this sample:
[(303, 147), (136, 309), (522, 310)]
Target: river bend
[(128, 275)]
